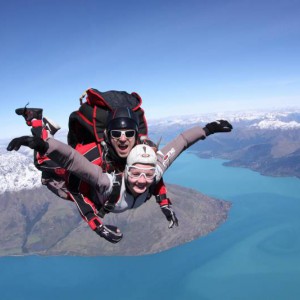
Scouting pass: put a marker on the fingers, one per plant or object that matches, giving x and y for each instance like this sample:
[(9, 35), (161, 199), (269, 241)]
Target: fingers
[(173, 221), (226, 126), (110, 233), (171, 224), (176, 222), (16, 143), (13, 145), (113, 228), (227, 129)]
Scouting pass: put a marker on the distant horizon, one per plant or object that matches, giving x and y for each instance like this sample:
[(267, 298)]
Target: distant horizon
[(296, 108), (25, 130)]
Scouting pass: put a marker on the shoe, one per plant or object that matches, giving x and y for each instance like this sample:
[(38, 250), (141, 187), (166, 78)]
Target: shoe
[(51, 126), (30, 113)]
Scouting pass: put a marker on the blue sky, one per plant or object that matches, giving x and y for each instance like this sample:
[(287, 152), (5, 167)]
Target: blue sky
[(182, 57)]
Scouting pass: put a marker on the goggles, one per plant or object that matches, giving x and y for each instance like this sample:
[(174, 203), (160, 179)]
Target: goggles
[(116, 134), (136, 172)]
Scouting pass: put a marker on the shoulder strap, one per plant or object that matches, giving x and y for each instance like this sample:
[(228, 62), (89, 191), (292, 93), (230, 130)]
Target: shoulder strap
[(151, 191), (110, 204)]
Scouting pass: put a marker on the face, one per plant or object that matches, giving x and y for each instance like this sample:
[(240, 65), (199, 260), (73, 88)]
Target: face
[(139, 178), (123, 141)]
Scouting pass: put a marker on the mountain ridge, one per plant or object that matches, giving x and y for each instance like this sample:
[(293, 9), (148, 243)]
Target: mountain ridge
[(29, 210), (261, 119), (264, 141), (37, 222)]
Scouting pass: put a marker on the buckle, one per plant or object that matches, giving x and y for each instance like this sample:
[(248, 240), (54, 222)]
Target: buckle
[(160, 198)]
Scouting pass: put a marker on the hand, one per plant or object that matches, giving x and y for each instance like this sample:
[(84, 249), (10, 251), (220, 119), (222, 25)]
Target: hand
[(32, 142), (217, 126), (170, 215), (110, 233)]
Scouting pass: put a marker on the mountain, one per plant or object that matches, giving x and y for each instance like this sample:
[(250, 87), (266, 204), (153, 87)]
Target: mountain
[(17, 170), (260, 119), (264, 141), (35, 221), (267, 142)]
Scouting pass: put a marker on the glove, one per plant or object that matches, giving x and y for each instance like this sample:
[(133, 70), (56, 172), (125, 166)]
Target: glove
[(110, 233), (170, 215), (217, 126), (32, 142)]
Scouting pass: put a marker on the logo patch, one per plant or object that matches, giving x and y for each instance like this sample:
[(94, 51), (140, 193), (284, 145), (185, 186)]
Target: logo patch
[(145, 154), (167, 157)]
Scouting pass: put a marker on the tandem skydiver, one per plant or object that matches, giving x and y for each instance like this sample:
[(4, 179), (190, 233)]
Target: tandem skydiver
[(122, 134), (144, 168)]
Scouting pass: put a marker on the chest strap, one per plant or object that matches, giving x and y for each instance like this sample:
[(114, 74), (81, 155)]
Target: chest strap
[(113, 198)]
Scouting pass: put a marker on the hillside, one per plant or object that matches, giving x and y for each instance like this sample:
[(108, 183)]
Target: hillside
[(36, 222)]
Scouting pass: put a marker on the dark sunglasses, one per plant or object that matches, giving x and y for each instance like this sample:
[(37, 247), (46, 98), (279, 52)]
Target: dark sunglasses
[(116, 134)]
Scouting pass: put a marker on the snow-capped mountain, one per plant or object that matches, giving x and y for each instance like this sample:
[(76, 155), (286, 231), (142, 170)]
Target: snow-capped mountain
[(17, 171), (277, 119), (276, 124)]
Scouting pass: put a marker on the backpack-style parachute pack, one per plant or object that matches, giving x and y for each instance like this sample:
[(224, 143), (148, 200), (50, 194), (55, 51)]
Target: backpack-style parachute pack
[(86, 134), (87, 124)]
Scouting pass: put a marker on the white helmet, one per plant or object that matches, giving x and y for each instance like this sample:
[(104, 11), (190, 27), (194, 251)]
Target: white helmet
[(142, 154)]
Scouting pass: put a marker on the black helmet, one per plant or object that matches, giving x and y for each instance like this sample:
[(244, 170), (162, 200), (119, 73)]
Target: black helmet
[(122, 118)]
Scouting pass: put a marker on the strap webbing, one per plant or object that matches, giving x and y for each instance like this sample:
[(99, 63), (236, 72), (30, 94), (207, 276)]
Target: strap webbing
[(110, 204)]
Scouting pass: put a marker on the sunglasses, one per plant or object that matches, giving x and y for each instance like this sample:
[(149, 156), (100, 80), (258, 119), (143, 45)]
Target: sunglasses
[(116, 134), (136, 172)]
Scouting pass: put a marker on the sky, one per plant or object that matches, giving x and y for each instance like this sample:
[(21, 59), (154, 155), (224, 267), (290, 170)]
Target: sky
[(182, 57)]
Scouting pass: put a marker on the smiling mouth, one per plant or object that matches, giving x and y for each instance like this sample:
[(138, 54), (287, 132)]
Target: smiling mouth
[(122, 147), (141, 187)]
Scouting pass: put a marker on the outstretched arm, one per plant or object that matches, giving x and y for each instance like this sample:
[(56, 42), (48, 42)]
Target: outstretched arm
[(167, 155), (68, 158)]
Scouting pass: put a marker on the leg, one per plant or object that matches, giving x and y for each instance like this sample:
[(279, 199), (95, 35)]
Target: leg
[(52, 174)]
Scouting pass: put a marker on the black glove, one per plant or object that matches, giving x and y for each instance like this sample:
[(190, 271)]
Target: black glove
[(32, 142), (170, 215), (110, 233), (217, 126)]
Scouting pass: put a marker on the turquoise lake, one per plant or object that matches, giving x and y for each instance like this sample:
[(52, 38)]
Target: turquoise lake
[(254, 255)]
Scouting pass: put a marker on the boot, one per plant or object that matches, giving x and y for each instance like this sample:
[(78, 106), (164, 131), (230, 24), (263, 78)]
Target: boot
[(30, 113)]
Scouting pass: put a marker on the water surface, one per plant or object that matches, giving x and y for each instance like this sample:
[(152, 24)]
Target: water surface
[(254, 255)]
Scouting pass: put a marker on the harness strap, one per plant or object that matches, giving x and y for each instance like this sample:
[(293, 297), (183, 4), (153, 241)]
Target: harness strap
[(110, 203), (151, 191), (93, 153), (160, 198), (94, 223)]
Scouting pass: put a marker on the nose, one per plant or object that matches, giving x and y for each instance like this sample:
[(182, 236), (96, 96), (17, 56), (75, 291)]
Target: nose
[(142, 179), (122, 138)]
